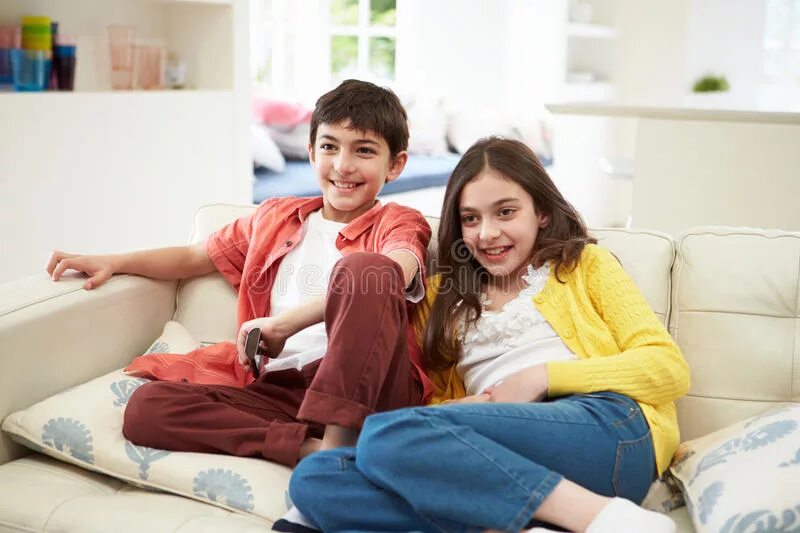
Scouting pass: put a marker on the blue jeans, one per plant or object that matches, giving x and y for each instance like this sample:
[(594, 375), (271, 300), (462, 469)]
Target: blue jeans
[(469, 467)]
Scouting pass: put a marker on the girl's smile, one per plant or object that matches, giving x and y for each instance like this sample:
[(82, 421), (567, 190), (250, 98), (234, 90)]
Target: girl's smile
[(499, 224)]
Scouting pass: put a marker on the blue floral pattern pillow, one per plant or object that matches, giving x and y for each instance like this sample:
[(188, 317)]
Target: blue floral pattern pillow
[(83, 426), (744, 478)]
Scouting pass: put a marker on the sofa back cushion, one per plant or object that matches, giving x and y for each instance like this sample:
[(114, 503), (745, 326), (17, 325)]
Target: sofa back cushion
[(206, 306), (736, 317), (646, 256)]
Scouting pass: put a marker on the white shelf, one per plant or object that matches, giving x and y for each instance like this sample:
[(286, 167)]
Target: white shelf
[(210, 2), (115, 94), (198, 32), (591, 31)]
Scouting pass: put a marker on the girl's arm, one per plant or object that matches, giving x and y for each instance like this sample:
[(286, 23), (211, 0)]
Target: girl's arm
[(649, 368)]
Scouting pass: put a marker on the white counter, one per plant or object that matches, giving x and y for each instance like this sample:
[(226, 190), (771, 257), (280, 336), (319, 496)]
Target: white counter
[(709, 166), (675, 113)]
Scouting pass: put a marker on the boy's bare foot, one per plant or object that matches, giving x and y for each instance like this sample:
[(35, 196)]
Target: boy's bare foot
[(309, 446)]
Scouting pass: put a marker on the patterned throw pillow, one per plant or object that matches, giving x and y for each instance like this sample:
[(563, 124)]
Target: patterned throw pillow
[(744, 478), (664, 495), (83, 426)]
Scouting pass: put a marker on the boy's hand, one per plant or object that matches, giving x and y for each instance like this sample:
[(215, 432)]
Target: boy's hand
[(273, 337), (526, 385), (97, 267)]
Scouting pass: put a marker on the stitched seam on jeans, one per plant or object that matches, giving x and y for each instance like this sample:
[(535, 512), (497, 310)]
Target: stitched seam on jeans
[(535, 501), (626, 444), (632, 406), (483, 455), (624, 421), (538, 418)]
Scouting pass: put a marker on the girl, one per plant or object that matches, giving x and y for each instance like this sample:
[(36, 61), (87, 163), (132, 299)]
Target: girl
[(560, 379)]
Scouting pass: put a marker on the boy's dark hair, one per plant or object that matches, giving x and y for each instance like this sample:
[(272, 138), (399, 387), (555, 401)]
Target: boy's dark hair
[(368, 108)]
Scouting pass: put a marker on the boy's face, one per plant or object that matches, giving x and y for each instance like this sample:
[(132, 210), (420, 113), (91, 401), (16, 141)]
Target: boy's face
[(352, 167)]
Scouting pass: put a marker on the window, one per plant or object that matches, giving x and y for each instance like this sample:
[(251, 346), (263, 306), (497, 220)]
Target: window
[(302, 48), (782, 41), (363, 39)]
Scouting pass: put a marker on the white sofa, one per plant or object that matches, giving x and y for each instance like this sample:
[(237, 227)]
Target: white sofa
[(729, 295)]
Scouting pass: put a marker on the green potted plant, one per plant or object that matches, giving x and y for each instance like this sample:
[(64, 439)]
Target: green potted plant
[(710, 83), (710, 91)]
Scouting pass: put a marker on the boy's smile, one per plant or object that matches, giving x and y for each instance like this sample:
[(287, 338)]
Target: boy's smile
[(351, 167)]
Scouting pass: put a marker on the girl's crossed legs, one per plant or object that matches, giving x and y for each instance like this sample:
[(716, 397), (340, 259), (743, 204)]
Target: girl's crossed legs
[(471, 467)]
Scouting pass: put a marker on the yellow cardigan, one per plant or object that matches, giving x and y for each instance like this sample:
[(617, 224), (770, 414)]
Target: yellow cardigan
[(601, 315)]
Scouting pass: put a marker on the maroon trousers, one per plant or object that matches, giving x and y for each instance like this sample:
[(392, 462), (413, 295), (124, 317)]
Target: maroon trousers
[(366, 369)]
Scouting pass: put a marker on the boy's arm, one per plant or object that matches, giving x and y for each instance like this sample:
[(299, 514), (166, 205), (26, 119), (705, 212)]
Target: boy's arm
[(163, 263), (275, 330), (407, 261), (405, 241), (313, 311)]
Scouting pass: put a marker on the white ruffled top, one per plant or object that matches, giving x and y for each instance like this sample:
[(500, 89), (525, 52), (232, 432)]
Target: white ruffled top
[(503, 342)]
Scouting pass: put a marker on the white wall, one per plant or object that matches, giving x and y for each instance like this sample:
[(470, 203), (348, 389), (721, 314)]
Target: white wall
[(86, 172), (726, 38), (456, 49), (536, 55), (664, 47), (651, 51), (99, 171)]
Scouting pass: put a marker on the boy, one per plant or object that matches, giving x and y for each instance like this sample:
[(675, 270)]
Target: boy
[(279, 260)]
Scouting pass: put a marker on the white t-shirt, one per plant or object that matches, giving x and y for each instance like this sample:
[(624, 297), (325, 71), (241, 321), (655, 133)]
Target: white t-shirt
[(504, 342), (303, 274)]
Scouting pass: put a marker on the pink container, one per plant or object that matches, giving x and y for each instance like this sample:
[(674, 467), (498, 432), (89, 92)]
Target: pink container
[(10, 37), (120, 46), (151, 64)]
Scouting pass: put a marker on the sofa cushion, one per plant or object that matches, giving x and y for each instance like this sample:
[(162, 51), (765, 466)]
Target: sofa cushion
[(736, 317), (38, 493), (664, 494), (206, 305), (647, 257), (745, 477), (83, 426)]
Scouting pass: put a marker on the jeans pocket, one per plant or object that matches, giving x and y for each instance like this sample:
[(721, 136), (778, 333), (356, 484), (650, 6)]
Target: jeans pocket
[(634, 468), (624, 410)]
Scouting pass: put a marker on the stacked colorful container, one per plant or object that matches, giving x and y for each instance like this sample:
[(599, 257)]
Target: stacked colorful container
[(40, 59)]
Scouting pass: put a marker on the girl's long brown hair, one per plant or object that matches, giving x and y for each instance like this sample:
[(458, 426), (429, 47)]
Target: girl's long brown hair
[(462, 278)]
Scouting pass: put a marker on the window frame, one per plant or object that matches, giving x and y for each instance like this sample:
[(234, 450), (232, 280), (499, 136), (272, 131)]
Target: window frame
[(363, 31)]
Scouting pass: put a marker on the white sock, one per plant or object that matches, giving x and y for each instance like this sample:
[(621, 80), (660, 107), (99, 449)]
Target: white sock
[(624, 516), (294, 516)]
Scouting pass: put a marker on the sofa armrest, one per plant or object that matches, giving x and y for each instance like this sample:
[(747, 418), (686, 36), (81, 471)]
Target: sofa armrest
[(54, 336)]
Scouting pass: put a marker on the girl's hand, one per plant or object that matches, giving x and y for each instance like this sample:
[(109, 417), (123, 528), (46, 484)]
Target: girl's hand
[(477, 398), (526, 385), (273, 337)]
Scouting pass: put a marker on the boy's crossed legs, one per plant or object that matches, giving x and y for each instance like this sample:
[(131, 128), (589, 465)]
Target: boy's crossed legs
[(366, 369)]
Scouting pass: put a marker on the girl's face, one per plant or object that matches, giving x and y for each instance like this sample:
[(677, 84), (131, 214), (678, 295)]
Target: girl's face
[(499, 224)]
